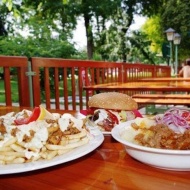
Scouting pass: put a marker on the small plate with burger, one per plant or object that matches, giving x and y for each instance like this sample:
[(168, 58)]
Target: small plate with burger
[(108, 109)]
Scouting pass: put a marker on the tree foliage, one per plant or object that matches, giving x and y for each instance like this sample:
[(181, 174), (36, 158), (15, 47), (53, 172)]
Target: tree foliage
[(106, 22), (29, 47), (153, 31), (176, 15)]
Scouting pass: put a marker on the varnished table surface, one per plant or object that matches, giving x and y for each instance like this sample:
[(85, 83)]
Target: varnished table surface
[(164, 79), (108, 167), (165, 86)]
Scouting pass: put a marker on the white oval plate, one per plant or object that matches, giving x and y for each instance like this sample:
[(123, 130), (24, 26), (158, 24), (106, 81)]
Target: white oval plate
[(95, 141)]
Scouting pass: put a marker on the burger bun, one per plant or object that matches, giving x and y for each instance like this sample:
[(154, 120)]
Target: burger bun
[(112, 100)]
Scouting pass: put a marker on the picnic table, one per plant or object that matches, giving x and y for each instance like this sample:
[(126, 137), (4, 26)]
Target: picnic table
[(164, 86), (142, 88), (164, 79)]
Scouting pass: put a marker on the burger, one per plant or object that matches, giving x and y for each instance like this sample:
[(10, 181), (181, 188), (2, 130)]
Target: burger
[(111, 108)]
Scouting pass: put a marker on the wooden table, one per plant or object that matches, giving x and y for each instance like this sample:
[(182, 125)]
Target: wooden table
[(108, 167), (164, 79), (173, 86)]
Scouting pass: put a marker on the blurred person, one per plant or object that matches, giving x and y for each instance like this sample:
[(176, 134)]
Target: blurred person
[(185, 71)]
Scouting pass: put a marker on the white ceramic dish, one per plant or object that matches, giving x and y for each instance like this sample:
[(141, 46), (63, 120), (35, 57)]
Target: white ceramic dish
[(178, 160), (96, 140)]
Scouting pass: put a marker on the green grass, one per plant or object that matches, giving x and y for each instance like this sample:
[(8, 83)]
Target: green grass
[(14, 91)]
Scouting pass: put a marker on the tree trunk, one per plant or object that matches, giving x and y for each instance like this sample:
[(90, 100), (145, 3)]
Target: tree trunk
[(3, 32), (89, 36)]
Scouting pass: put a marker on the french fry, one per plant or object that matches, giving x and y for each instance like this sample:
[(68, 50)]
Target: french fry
[(68, 146), (33, 149), (44, 155), (9, 158), (60, 152), (10, 141), (2, 157), (2, 162), (66, 141), (35, 158), (5, 149), (17, 148), (16, 161), (51, 154), (43, 149), (17, 154), (22, 144), (77, 136)]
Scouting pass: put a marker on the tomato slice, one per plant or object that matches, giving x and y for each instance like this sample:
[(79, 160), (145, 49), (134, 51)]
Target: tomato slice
[(113, 117), (186, 115), (33, 117)]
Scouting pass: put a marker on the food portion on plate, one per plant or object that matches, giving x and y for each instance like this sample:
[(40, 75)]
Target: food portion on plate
[(161, 141), (29, 136), (170, 130), (109, 109)]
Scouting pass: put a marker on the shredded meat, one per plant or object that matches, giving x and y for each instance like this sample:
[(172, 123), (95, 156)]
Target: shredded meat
[(29, 138), (2, 129), (14, 131), (51, 121), (56, 136), (71, 131), (160, 136), (25, 115)]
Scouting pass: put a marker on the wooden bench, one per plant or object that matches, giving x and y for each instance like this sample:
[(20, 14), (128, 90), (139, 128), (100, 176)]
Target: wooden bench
[(151, 100)]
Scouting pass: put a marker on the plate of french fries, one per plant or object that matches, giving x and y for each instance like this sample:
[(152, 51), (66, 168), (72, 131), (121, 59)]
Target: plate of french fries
[(31, 140)]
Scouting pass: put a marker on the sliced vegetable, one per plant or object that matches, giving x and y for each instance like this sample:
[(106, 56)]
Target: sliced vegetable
[(113, 117), (178, 117), (33, 117)]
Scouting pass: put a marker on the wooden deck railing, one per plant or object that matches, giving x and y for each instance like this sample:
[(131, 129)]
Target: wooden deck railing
[(77, 73), (72, 75), (133, 72), (18, 65)]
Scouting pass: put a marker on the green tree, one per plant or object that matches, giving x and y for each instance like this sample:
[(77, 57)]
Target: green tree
[(46, 17), (53, 47), (178, 19), (44, 36), (153, 30)]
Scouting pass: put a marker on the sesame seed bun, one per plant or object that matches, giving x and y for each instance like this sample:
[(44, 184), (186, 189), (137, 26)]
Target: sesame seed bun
[(112, 100)]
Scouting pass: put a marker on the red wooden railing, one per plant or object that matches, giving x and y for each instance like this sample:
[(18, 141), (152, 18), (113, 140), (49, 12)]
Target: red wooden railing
[(20, 66), (71, 73), (76, 74), (79, 73), (133, 72)]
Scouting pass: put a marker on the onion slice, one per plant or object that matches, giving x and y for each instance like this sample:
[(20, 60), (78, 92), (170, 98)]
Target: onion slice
[(176, 116)]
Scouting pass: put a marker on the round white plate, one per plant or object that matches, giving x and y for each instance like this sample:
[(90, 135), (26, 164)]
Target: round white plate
[(95, 141), (177, 160)]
